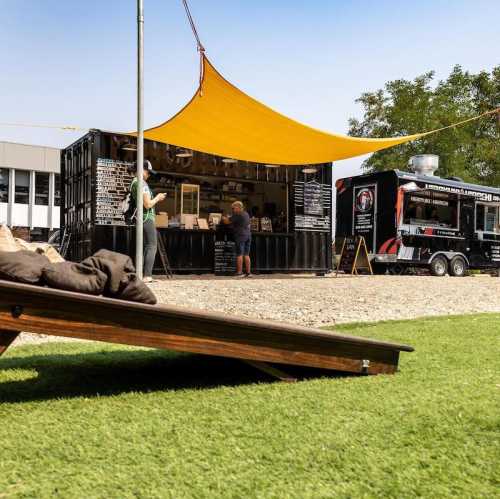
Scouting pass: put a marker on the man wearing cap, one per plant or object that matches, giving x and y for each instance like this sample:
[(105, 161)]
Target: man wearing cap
[(149, 225)]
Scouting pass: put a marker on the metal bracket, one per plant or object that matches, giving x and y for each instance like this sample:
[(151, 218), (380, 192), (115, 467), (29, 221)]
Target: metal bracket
[(365, 364), (16, 311)]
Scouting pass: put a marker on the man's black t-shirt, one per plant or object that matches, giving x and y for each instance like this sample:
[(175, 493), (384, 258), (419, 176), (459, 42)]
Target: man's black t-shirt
[(241, 226)]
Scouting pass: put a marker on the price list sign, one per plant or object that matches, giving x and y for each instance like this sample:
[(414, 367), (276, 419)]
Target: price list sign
[(312, 202), (225, 257), (113, 181)]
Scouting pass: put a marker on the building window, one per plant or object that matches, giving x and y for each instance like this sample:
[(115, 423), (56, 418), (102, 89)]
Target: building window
[(42, 189), (57, 190), (4, 185), (22, 187)]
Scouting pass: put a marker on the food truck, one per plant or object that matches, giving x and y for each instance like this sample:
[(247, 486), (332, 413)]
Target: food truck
[(290, 206), (416, 219)]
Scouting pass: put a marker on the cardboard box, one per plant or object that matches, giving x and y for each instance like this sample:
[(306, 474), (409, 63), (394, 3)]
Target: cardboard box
[(162, 219), (188, 221), (202, 223)]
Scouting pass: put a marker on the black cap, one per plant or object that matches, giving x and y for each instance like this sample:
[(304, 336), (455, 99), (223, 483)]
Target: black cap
[(148, 167)]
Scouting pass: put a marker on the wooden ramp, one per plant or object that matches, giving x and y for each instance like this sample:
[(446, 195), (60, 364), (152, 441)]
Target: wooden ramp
[(60, 313)]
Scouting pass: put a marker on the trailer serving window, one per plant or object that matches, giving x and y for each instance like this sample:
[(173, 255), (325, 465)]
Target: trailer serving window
[(488, 217), (431, 209)]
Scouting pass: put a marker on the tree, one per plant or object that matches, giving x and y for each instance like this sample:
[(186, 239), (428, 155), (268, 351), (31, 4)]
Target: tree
[(404, 107)]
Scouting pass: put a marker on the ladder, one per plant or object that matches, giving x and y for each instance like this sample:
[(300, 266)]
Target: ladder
[(164, 257), (65, 239)]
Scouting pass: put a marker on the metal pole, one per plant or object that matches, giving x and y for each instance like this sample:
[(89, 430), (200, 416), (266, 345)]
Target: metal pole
[(140, 137)]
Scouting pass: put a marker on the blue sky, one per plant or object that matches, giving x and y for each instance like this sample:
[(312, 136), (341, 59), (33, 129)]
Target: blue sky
[(69, 62)]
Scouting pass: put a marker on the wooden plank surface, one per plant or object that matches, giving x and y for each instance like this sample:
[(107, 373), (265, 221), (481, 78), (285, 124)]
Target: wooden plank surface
[(60, 313)]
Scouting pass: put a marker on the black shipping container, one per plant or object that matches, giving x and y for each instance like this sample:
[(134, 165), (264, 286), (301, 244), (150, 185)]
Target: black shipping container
[(304, 245)]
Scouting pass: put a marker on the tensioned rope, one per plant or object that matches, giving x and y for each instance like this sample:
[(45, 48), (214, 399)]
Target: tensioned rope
[(201, 48), (199, 45), (70, 128)]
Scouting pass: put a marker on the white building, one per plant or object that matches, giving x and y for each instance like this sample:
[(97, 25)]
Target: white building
[(30, 189)]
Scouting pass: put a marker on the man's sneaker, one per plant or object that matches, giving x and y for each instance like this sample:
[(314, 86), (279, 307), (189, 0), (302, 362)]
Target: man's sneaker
[(248, 275), (239, 276)]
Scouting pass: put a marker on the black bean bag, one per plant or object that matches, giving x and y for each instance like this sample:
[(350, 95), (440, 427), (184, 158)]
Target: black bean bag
[(76, 277), (22, 266), (114, 265), (133, 289)]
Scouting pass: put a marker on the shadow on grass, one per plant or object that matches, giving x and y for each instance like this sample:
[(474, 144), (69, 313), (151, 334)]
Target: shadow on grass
[(108, 373)]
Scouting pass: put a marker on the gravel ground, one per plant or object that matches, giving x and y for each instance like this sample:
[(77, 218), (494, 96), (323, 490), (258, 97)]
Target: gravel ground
[(319, 301)]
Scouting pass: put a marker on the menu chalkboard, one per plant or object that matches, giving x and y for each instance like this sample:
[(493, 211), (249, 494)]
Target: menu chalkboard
[(312, 202), (354, 256), (113, 181), (225, 257)]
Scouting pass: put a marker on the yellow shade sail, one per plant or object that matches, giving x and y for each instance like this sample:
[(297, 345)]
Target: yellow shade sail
[(221, 119)]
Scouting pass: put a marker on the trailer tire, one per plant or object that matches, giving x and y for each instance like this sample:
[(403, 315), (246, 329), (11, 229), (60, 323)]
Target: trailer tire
[(458, 266), (439, 266)]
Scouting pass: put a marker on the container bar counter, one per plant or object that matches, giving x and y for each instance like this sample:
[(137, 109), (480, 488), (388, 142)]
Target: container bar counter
[(290, 206)]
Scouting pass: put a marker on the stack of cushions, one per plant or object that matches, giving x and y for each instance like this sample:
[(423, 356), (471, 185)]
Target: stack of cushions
[(105, 273), (10, 243), (43, 248), (7, 241)]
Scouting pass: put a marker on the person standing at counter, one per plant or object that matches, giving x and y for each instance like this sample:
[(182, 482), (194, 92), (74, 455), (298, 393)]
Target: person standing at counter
[(240, 223), (149, 224)]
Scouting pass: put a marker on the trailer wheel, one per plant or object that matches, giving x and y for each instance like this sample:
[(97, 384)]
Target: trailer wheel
[(439, 266), (458, 267)]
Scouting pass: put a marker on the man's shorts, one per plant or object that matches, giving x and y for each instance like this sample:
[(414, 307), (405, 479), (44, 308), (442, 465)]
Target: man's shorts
[(243, 247)]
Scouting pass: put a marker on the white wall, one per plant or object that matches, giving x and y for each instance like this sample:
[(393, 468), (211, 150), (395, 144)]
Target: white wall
[(28, 157), (22, 158)]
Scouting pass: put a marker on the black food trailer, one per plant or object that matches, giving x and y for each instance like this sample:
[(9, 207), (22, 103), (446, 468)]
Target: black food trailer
[(290, 206), (412, 219)]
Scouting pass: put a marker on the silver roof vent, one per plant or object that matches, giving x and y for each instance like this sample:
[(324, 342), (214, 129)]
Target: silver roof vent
[(424, 164)]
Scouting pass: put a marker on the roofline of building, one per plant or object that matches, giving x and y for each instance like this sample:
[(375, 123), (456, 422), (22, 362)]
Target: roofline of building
[(28, 145)]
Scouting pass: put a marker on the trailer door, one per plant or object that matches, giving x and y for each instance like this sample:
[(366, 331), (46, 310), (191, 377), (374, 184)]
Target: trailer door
[(467, 218)]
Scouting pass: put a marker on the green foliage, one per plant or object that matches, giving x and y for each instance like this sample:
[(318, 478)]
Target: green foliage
[(100, 421), (403, 107)]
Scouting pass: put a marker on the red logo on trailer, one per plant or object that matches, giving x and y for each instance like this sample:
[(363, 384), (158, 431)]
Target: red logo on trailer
[(365, 200)]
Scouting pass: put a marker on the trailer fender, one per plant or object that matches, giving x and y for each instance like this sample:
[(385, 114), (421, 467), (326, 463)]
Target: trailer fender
[(449, 255)]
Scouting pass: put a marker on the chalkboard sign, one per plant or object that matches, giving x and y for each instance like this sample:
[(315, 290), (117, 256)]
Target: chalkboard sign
[(113, 181), (312, 202), (354, 256), (225, 257)]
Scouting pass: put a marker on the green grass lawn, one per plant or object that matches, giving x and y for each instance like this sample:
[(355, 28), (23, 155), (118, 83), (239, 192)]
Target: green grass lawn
[(92, 420)]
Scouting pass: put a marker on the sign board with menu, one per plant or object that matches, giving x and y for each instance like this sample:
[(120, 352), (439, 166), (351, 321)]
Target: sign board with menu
[(354, 256), (113, 179), (224, 254), (313, 203)]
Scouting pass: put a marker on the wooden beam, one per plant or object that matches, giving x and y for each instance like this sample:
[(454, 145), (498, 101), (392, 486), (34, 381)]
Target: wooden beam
[(60, 313), (271, 371), (6, 339)]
